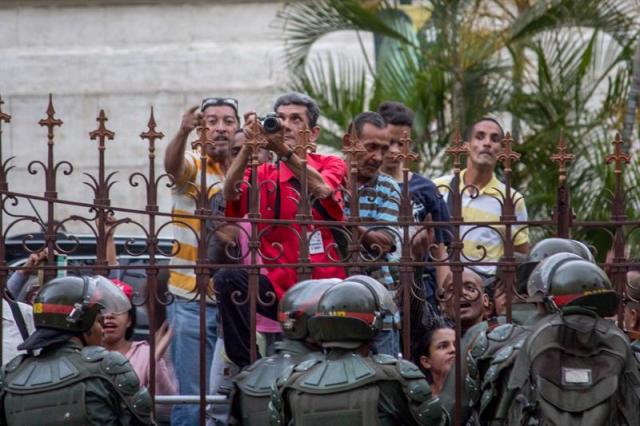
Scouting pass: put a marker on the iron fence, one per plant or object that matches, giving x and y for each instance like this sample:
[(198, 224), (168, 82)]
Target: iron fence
[(561, 224)]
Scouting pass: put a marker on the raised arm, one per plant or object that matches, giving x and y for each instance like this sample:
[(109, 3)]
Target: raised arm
[(174, 155)]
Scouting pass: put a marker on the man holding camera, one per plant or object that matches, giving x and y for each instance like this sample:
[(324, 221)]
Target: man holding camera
[(220, 117), (279, 184)]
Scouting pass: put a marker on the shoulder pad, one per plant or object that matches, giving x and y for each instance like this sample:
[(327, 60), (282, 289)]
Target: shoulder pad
[(140, 404), (472, 387), (115, 363), (334, 375), (307, 364), (409, 370), (44, 373), (419, 390), (503, 354), (480, 345), (93, 353), (500, 333), (14, 363), (431, 413), (127, 382), (472, 366), (258, 378), (384, 359)]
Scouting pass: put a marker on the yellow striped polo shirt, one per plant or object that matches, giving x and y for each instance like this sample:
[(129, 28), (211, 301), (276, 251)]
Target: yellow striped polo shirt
[(182, 281), (486, 208)]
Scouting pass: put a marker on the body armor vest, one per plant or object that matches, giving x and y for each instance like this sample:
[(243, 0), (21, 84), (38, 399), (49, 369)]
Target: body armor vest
[(254, 383), (352, 390), (50, 389)]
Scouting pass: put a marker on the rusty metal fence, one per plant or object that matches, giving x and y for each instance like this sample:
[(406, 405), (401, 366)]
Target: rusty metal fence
[(561, 224)]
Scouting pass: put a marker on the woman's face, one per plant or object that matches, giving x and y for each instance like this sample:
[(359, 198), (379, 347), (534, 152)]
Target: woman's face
[(115, 326), (442, 352)]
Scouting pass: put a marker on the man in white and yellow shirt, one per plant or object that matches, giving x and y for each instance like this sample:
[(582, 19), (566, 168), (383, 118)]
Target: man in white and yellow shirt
[(484, 141), (221, 119)]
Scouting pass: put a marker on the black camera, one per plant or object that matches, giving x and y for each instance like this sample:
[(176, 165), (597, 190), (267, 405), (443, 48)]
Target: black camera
[(270, 123)]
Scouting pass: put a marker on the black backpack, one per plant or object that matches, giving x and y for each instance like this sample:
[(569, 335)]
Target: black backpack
[(575, 368)]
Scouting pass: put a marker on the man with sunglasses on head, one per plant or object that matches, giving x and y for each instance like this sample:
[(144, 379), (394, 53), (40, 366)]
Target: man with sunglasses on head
[(220, 118), (279, 244)]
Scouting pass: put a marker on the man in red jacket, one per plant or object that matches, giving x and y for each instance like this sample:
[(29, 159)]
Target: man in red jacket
[(279, 185)]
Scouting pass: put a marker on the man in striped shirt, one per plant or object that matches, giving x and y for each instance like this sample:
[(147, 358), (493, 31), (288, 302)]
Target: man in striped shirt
[(221, 119), (379, 201), (484, 141)]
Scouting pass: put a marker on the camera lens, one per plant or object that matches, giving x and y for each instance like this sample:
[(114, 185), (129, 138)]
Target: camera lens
[(271, 124)]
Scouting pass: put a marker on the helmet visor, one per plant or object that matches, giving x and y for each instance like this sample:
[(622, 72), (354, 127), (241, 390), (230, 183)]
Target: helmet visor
[(109, 296)]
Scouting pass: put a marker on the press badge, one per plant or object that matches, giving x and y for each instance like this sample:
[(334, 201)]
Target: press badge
[(576, 376), (315, 244)]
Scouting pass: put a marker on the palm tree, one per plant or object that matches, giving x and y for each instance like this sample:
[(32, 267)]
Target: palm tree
[(549, 67)]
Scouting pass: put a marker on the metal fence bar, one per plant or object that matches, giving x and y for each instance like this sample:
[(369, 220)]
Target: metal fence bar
[(303, 225)]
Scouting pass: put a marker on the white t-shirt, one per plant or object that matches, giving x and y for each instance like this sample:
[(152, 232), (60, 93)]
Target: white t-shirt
[(11, 336)]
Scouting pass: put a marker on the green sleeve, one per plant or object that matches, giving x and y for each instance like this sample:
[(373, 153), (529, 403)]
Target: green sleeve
[(103, 407)]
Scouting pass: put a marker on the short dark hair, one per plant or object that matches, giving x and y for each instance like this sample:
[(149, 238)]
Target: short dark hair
[(367, 117), (469, 132), (438, 323), (297, 98), (396, 113)]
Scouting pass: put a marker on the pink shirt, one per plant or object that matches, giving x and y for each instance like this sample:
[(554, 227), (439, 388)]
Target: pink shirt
[(138, 356)]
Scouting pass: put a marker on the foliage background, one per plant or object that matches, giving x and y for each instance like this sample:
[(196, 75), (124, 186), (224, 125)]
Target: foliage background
[(546, 68)]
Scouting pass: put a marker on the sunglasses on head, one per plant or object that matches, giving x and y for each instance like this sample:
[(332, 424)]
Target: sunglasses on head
[(231, 102)]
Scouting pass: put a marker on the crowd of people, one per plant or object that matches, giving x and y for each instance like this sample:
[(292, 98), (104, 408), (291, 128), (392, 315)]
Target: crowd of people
[(330, 346)]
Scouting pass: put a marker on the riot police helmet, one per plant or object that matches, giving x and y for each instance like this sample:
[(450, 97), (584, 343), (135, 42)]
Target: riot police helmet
[(299, 304), (387, 304), (566, 279), (70, 305), (545, 248), (349, 315)]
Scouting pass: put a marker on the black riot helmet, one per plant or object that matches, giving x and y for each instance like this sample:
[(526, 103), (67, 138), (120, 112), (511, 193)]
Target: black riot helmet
[(349, 314), (299, 304), (545, 248), (566, 279), (73, 303)]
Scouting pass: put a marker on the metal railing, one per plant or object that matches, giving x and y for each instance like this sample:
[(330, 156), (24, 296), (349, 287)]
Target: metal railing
[(561, 224)]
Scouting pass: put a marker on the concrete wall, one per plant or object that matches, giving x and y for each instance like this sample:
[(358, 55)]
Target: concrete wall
[(125, 57)]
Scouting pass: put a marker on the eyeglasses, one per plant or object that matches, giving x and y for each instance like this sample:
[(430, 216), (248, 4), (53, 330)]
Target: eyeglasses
[(231, 102)]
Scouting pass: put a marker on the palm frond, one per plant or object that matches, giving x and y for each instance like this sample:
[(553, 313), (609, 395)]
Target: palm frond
[(339, 85), (304, 23)]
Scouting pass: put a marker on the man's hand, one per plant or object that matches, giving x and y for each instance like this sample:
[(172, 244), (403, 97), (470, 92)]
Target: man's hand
[(275, 141), (423, 239), (190, 119), (34, 260), (174, 155)]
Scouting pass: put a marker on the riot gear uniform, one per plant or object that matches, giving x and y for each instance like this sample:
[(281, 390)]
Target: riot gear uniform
[(490, 352), (346, 387), (574, 368), (253, 384), (68, 384)]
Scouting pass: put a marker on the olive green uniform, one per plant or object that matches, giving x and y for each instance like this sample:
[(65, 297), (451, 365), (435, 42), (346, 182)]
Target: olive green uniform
[(348, 389), (70, 385), (253, 384)]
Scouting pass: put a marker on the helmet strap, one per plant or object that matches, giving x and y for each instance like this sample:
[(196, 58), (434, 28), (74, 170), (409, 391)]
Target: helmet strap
[(78, 307)]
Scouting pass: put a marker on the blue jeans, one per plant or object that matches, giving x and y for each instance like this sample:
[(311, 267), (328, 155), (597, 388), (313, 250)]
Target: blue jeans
[(184, 320), (387, 342)]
